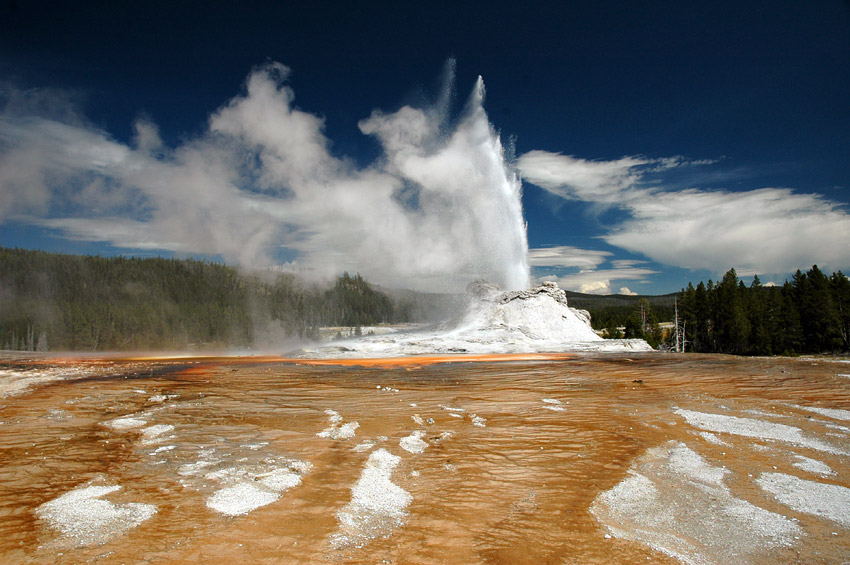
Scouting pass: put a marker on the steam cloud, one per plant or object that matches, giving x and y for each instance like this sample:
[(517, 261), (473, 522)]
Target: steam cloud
[(438, 209)]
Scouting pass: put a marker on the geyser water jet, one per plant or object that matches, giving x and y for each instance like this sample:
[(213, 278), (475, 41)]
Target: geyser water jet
[(469, 198)]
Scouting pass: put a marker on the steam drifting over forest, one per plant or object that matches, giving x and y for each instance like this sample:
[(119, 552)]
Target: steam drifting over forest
[(438, 209)]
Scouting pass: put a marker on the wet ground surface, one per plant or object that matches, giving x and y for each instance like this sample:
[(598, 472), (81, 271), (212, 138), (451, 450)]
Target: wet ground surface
[(561, 459)]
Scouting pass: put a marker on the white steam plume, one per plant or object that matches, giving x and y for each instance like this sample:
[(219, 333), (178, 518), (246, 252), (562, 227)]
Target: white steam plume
[(438, 209)]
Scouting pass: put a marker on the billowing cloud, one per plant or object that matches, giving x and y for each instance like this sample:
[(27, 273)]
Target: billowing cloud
[(438, 209), (767, 230)]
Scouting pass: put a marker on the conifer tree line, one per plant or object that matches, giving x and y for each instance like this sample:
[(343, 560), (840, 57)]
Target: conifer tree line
[(808, 314), (69, 302)]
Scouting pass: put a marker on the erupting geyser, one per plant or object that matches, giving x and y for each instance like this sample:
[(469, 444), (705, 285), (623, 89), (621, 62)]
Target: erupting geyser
[(458, 193), (439, 208)]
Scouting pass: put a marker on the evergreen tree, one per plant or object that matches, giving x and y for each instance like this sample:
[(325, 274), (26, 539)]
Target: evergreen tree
[(688, 315), (703, 319), (731, 328), (758, 320), (790, 340), (813, 293), (841, 300)]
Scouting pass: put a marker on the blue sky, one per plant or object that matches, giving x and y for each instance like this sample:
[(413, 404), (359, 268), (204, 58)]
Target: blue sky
[(658, 143)]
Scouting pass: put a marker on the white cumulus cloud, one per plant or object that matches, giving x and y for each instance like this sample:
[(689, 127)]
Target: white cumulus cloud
[(766, 230), (769, 230)]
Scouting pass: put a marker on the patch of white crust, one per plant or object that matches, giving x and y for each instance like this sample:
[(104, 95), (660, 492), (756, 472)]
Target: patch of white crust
[(677, 503), (377, 505), (760, 429), (414, 442), (828, 501), (337, 429), (84, 519)]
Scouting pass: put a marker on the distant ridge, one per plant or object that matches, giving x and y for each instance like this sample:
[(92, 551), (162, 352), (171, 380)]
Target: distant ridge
[(590, 301)]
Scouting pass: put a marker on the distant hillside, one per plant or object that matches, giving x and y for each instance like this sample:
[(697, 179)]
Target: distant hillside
[(614, 310), (71, 302), (426, 306), (588, 301), (606, 310)]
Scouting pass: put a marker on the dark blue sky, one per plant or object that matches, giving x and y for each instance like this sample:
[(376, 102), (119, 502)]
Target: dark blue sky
[(752, 95)]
